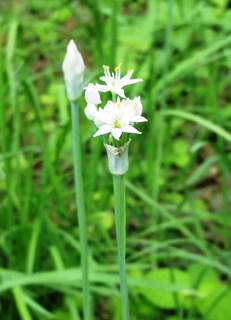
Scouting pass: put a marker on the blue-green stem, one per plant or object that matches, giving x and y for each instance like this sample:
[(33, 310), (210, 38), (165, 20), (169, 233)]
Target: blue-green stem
[(120, 221), (79, 194)]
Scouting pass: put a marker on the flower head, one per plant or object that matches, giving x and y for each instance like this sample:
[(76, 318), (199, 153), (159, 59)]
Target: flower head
[(118, 116), (73, 69), (114, 82), (114, 119)]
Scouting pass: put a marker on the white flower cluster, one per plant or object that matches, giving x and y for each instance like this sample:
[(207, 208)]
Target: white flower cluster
[(117, 116)]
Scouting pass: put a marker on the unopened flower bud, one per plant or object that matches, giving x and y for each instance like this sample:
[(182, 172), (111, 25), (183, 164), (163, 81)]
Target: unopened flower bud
[(73, 69), (90, 111), (92, 94)]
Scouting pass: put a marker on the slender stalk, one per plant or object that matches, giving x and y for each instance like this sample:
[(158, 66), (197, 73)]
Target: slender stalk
[(114, 33), (20, 303), (120, 221), (79, 193)]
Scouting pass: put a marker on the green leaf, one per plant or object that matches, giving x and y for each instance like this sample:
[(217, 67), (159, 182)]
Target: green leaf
[(213, 300), (216, 301), (162, 298), (221, 306)]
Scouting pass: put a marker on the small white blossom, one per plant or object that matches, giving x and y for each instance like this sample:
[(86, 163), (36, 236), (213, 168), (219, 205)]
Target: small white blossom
[(90, 111), (114, 82), (115, 120), (135, 109), (73, 69), (92, 94)]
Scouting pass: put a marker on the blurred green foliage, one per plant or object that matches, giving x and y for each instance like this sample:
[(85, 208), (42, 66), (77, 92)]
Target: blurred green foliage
[(178, 198)]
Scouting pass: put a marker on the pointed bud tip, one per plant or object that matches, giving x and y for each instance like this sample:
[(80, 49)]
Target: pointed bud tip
[(72, 46)]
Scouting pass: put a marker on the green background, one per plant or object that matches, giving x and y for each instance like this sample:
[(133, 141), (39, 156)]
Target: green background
[(178, 184)]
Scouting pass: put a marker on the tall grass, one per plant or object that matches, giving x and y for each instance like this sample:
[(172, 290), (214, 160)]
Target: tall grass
[(180, 167)]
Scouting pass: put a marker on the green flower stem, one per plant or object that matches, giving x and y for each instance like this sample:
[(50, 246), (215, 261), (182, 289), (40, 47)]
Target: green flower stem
[(120, 221), (79, 193)]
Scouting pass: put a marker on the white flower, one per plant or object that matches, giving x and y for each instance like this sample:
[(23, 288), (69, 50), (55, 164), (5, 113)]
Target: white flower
[(118, 117), (113, 119), (135, 109), (73, 68), (90, 111), (92, 94), (114, 82)]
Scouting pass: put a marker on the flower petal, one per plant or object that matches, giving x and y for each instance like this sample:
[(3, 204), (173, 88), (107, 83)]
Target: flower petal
[(126, 80), (137, 105), (104, 129), (92, 94), (132, 81), (127, 77), (102, 87), (99, 119), (138, 119), (130, 129), (116, 132), (106, 78), (90, 111), (120, 92)]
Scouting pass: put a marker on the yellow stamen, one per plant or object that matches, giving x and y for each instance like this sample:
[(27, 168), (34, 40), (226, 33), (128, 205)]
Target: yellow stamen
[(117, 68)]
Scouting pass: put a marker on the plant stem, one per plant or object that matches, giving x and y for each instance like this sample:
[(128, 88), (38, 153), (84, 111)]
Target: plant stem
[(114, 33), (79, 194), (120, 221), (20, 303)]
